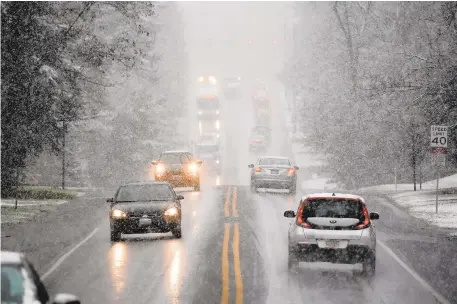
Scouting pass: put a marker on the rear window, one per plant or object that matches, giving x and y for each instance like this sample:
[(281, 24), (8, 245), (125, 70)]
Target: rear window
[(144, 193), (171, 158), (334, 208), (274, 161), (208, 103), (207, 149)]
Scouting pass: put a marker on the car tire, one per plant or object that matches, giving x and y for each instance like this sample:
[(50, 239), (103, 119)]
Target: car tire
[(369, 265), (177, 232), (292, 261), (115, 235)]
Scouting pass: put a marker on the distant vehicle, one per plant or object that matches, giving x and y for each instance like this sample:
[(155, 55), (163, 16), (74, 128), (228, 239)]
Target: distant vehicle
[(210, 137), (335, 228), (145, 207), (210, 153), (206, 126), (232, 87), (179, 168), (22, 284), (258, 143), (274, 172), (263, 117), (208, 107), (262, 130)]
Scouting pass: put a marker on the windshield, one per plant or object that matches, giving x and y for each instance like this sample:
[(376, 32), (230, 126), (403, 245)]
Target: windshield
[(171, 158), (12, 284), (334, 208), (274, 161), (209, 149), (208, 103), (147, 192)]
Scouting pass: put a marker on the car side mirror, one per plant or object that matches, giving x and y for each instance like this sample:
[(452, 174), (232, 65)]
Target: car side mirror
[(296, 168), (154, 162), (65, 298), (110, 200), (374, 216), (289, 213), (179, 197), (251, 166), (199, 162)]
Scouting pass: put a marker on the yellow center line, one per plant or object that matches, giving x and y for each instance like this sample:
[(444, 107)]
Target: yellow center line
[(236, 262), (234, 195), (225, 265), (227, 199)]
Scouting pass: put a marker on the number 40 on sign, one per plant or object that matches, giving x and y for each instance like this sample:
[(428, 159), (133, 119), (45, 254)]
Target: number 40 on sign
[(438, 137)]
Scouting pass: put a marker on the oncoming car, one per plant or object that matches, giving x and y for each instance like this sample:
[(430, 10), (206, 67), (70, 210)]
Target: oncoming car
[(145, 207), (22, 284), (274, 172), (333, 227), (179, 168)]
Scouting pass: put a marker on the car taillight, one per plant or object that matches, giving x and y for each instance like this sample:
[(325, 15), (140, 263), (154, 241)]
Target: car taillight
[(291, 172), (366, 221), (300, 221), (258, 170)]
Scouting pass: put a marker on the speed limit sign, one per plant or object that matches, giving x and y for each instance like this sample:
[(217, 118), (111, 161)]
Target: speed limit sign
[(438, 137)]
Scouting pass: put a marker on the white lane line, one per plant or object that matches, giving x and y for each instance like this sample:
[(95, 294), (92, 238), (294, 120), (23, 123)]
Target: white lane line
[(66, 255), (415, 275)]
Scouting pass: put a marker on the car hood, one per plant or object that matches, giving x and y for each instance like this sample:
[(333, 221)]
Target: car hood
[(155, 207)]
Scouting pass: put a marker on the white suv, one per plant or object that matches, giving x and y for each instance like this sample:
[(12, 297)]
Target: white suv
[(333, 227)]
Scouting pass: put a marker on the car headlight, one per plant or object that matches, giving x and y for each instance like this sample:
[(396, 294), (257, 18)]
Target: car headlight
[(171, 211), (217, 161), (217, 124), (212, 79), (160, 169), (217, 112), (116, 213), (201, 79), (200, 112), (193, 168), (217, 135)]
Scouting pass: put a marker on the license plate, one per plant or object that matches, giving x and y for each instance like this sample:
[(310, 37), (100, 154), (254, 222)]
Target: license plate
[(274, 171), (332, 244), (145, 222)]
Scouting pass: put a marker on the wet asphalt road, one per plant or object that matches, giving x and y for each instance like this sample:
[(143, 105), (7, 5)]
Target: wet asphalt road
[(233, 249)]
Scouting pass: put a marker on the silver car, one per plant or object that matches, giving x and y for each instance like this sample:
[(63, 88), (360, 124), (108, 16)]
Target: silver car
[(274, 172), (333, 227)]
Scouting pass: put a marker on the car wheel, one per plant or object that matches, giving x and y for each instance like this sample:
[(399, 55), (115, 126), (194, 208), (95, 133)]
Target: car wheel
[(369, 265), (292, 261), (115, 235), (177, 232)]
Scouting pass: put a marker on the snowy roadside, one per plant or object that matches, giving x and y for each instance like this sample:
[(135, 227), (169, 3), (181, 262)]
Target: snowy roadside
[(422, 203), (419, 204)]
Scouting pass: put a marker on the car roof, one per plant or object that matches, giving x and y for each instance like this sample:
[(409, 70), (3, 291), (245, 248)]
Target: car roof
[(175, 151), (334, 195), (144, 183), (10, 257)]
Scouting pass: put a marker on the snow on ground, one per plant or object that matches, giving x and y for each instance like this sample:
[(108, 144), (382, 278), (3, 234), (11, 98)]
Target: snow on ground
[(420, 204)]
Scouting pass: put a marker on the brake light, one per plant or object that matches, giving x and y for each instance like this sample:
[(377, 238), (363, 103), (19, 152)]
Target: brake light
[(291, 172), (366, 221), (300, 221), (258, 170)]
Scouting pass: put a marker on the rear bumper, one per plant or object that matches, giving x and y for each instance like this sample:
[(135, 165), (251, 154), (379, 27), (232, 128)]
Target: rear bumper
[(281, 183), (353, 254)]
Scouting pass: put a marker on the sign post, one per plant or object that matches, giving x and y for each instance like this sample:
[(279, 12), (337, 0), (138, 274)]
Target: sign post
[(438, 145)]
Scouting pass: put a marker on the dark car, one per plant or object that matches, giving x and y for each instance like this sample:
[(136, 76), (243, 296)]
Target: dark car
[(22, 284), (179, 168), (145, 207), (258, 143), (232, 87), (208, 107), (210, 152)]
